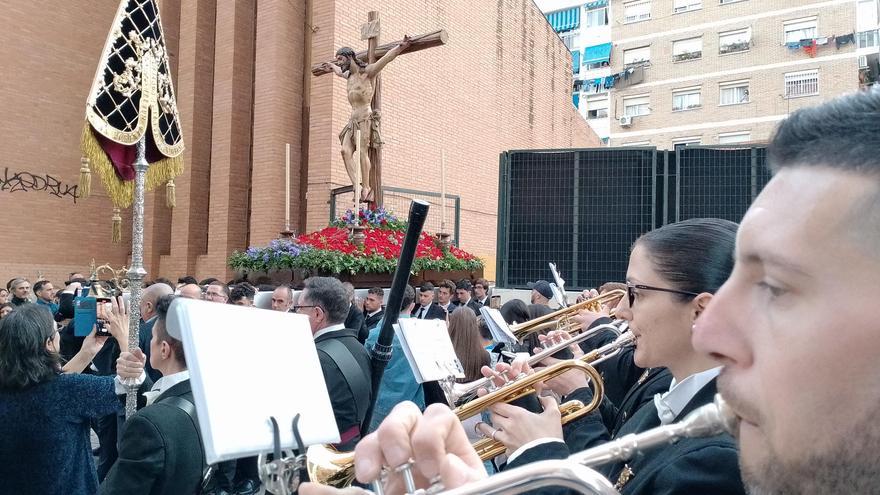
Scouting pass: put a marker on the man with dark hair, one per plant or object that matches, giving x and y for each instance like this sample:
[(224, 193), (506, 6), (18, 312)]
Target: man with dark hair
[(207, 281), (242, 294), (804, 291), (481, 291), (373, 311), (463, 291), (160, 451), (427, 309), (445, 293), (344, 361), (398, 382), (45, 292)]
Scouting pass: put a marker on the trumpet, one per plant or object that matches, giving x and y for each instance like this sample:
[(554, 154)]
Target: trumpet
[(488, 448), (562, 319), (457, 392), (577, 473)]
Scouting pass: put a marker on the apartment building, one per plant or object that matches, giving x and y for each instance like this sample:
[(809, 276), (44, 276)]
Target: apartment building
[(726, 71), (585, 29)]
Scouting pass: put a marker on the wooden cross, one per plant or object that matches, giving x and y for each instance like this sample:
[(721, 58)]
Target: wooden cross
[(370, 32)]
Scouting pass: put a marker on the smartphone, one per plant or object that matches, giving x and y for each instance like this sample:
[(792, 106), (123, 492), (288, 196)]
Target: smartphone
[(102, 328), (85, 315), (495, 302)]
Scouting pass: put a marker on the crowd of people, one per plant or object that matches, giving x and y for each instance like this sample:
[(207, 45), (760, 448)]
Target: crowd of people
[(776, 313)]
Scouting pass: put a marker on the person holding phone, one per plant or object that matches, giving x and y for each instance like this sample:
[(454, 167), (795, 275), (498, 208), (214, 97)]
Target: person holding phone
[(46, 406)]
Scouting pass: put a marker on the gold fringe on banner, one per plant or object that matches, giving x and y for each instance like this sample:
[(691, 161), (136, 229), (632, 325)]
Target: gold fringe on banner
[(116, 233), (121, 192), (170, 195), (85, 178)]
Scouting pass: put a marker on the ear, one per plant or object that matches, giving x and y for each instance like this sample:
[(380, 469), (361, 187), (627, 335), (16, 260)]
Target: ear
[(164, 350), (700, 303)]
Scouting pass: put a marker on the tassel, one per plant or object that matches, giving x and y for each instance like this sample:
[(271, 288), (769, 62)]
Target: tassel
[(116, 235), (85, 178), (170, 196)]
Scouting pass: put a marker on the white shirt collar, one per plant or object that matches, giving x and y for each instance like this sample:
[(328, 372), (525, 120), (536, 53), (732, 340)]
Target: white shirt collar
[(672, 403), (374, 313), (165, 383), (331, 328)]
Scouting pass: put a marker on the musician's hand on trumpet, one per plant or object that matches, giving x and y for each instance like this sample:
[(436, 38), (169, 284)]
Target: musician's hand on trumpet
[(434, 442), (565, 383), (514, 426)]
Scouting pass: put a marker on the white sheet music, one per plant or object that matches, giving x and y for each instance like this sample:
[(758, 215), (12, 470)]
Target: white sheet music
[(428, 349), (247, 364), (500, 331)]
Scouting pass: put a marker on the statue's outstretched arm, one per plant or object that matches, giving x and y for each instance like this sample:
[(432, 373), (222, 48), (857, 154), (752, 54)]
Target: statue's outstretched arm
[(390, 55)]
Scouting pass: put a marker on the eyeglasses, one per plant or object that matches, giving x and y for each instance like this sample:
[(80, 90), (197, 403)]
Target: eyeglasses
[(631, 296), (296, 308), (214, 295)]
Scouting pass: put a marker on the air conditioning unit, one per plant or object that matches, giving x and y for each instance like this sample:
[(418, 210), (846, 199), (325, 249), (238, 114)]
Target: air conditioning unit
[(625, 121)]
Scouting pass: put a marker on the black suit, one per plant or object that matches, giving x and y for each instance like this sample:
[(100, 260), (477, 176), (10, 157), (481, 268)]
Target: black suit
[(160, 452), (434, 312), (349, 414), (369, 323), (690, 466), (473, 304), (355, 318)]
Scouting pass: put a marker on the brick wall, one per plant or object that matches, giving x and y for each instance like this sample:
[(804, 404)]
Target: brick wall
[(502, 82)]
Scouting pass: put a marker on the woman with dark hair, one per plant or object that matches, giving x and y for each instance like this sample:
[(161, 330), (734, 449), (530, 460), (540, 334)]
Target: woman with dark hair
[(44, 412), (672, 276), (464, 331), (5, 309)]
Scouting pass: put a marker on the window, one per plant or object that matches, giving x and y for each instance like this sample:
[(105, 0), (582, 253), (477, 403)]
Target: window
[(803, 83), (730, 1), (636, 11), (867, 39), (801, 29), (597, 108), (689, 49), (734, 41), (634, 106), (682, 142), (686, 5), (596, 17), (567, 39), (686, 99), (734, 93), (635, 56), (734, 137), (866, 15)]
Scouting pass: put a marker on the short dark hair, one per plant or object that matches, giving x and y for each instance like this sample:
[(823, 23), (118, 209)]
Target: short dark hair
[(376, 291), (695, 255), (329, 294), (187, 279), (841, 133), (427, 287), (161, 333), (24, 359), (515, 311), (483, 282), (449, 284), (485, 333), (463, 284), (409, 296), (38, 286), (163, 280), (208, 281), (240, 291)]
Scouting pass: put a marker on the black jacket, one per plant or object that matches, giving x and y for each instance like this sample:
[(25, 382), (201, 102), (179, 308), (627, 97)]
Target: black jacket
[(690, 466), (348, 411), (473, 304), (160, 452), (369, 323), (434, 312), (355, 319)]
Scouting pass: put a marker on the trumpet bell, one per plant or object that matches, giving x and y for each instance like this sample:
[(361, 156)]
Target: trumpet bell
[(328, 466), (562, 319)]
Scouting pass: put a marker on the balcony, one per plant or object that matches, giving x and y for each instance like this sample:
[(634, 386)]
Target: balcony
[(734, 47), (683, 57)]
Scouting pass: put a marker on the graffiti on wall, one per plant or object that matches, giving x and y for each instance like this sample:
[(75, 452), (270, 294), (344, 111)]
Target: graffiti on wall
[(13, 182)]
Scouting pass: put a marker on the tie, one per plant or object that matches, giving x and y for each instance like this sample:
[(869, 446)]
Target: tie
[(664, 411), (421, 312)]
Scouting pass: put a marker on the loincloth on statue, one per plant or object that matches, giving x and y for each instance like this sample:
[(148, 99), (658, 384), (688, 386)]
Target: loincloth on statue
[(375, 138)]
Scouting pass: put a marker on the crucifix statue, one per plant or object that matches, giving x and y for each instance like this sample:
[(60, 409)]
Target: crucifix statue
[(361, 70)]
